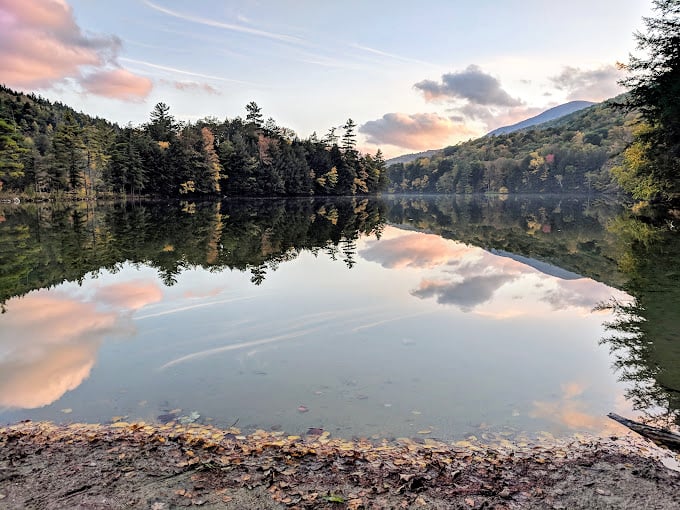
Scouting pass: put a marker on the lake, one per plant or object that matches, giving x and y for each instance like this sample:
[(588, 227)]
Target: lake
[(435, 317)]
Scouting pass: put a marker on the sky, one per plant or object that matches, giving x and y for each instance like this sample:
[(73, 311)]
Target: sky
[(412, 75)]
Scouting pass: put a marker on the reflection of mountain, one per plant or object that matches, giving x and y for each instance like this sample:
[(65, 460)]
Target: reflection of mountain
[(543, 267), (567, 233)]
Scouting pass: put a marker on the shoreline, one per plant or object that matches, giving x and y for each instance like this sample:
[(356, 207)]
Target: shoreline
[(141, 465)]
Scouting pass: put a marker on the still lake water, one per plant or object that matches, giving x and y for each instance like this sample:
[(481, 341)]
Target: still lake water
[(393, 317)]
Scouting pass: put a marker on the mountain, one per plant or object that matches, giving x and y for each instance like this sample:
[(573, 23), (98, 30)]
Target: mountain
[(407, 158), (548, 115), (574, 153)]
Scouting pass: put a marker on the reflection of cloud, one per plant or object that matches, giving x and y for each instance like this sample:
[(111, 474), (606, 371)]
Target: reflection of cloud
[(415, 131), (467, 294), (415, 250), (582, 293), (48, 345), (589, 84), (468, 276), (571, 413), (41, 44), (131, 295), (193, 294)]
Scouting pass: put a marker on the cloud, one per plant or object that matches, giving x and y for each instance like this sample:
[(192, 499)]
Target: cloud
[(472, 84), (41, 45), (196, 86), (117, 84), (592, 85), (175, 70), (225, 26), (413, 131)]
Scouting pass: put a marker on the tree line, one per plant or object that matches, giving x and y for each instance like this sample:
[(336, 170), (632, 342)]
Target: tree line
[(48, 147)]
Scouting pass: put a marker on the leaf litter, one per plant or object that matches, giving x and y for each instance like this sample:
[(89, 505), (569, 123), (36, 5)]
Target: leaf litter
[(173, 465)]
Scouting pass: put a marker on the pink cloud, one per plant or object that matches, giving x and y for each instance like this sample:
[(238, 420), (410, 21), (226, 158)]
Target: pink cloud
[(416, 131), (42, 45), (118, 84)]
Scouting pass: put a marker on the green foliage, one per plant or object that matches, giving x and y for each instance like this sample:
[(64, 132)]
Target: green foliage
[(654, 83), (58, 149), (573, 154), (11, 151)]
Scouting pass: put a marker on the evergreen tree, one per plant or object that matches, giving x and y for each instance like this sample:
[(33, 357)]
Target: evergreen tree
[(254, 114), (11, 167), (69, 155), (162, 126), (653, 166)]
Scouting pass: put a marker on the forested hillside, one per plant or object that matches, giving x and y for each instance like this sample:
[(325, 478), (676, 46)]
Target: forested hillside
[(573, 154), (49, 147)]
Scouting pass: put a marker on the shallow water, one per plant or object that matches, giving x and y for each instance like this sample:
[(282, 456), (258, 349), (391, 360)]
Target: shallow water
[(357, 317)]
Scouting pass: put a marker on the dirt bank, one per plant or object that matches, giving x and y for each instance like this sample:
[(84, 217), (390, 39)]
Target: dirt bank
[(136, 465)]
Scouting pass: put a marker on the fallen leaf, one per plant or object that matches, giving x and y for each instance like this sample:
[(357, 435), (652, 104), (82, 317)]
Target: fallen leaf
[(354, 504), (469, 502), (425, 431), (334, 499)]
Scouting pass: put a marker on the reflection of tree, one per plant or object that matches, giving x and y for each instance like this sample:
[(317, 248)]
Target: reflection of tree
[(569, 233), (645, 335), (44, 245)]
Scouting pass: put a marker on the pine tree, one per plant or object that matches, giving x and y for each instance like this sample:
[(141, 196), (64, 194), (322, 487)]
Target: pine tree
[(11, 166), (70, 160)]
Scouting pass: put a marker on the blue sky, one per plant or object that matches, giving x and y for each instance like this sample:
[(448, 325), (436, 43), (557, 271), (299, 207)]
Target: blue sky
[(413, 75)]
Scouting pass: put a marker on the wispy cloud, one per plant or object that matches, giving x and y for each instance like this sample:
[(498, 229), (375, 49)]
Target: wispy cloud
[(189, 86), (183, 71), (226, 26), (381, 53)]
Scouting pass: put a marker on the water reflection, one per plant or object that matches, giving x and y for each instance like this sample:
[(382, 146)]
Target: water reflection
[(644, 334), (378, 316)]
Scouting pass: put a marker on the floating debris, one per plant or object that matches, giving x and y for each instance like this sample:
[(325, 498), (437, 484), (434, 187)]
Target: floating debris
[(190, 418)]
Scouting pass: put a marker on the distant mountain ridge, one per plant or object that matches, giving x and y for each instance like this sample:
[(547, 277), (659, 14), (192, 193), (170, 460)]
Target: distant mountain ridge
[(546, 116), (407, 158), (573, 153), (549, 115)]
